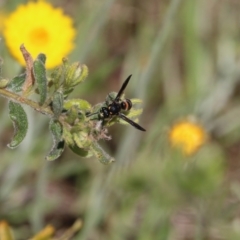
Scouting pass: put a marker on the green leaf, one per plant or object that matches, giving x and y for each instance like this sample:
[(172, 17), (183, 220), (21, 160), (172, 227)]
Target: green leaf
[(42, 57), (57, 104), (39, 73), (17, 82), (20, 123), (56, 151), (100, 154), (81, 151), (58, 143), (67, 91)]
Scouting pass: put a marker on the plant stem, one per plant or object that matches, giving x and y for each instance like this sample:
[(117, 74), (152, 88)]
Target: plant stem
[(17, 98)]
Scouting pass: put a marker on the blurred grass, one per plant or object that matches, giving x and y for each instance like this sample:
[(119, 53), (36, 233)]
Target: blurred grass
[(184, 57)]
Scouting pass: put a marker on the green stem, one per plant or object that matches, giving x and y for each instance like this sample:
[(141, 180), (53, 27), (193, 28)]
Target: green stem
[(17, 98)]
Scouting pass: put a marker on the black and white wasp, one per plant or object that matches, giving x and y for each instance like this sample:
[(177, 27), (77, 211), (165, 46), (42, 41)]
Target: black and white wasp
[(116, 107)]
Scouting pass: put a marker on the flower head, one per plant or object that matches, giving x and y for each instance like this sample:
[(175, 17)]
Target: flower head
[(188, 136), (41, 28)]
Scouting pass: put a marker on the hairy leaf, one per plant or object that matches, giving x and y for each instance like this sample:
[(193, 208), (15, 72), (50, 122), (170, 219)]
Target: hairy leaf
[(17, 82), (42, 57), (56, 151), (39, 72), (99, 153), (58, 143), (57, 104), (20, 123)]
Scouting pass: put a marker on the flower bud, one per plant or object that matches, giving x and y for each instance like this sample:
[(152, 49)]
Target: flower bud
[(75, 74)]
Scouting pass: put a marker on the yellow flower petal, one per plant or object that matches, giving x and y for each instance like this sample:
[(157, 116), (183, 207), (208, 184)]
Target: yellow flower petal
[(42, 29), (188, 136)]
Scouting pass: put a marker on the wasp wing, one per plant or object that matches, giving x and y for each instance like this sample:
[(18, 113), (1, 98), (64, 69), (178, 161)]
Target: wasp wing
[(122, 88), (123, 117)]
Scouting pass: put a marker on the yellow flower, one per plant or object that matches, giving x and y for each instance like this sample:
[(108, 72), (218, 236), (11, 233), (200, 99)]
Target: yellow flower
[(42, 29), (188, 136)]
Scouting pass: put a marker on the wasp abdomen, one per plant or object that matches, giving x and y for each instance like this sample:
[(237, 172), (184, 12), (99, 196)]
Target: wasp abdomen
[(126, 104)]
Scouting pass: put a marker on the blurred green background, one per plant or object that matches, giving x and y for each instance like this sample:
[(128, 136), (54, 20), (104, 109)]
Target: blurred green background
[(185, 59)]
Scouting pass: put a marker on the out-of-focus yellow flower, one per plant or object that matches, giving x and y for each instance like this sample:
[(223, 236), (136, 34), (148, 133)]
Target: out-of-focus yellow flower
[(46, 233), (42, 29), (188, 136), (5, 231)]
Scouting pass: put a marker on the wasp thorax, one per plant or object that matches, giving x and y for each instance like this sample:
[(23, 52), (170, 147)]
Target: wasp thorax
[(104, 112), (114, 108)]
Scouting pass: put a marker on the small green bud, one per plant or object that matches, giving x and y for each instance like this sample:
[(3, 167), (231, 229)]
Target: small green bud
[(69, 139), (57, 77), (4, 83), (82, 139), (75, 74), (67, 136), (79, 103), (71, 115), (65, 62)]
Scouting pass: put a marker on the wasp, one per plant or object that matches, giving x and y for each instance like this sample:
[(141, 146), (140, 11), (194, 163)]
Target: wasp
[(116, 106)]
